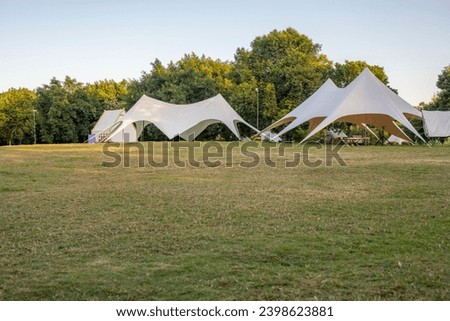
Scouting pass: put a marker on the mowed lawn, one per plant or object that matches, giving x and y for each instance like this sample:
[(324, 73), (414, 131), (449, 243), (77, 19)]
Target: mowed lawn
[(376, 229)]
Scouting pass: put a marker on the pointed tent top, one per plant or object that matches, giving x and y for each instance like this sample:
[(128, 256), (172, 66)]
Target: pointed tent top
[(311, 107), (314, 103), (329, 82)]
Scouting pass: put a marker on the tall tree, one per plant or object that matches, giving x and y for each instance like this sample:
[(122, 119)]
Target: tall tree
[(109, 93), (343, 74), (66, 111), (51, 101), (287, 68), (441, 101), (16, 114), (188, 80)]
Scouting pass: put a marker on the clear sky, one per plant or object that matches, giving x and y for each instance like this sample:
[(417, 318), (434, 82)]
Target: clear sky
[(99, 39)]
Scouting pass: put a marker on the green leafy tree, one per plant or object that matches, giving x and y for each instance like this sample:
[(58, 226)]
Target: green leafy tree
[(84, 110), (441, 101), (189, 80), (16, 115), (344, 74), (2, 112), (269, 101), (243, 100), (287, 68), (66, 111), (51, 101), (109, 93)]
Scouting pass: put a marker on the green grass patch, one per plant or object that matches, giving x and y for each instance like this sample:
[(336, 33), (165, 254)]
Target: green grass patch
[(377, 229)]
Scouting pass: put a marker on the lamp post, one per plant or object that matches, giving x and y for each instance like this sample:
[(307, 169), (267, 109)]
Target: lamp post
[(34, 124), (257, 108)]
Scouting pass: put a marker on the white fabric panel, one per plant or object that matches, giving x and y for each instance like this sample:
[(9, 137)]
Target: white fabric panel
[(436, 123), (187, 120)]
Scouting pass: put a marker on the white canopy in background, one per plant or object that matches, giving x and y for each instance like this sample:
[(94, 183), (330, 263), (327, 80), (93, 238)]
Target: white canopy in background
[(187, 120), (365, 101), (436, 123), (105, 123)]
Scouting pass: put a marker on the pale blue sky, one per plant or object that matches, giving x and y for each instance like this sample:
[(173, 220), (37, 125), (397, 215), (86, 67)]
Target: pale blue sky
[(94, 40)]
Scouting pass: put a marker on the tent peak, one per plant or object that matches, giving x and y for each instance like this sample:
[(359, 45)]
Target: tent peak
[(329, 81)]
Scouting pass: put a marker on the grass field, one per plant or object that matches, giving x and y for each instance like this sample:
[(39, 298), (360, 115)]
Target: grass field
[(376, 229)]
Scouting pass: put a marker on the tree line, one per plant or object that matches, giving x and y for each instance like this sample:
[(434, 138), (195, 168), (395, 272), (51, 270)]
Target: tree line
[(280, 69)]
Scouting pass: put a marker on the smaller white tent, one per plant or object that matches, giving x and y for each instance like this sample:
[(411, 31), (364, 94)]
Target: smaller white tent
[(102, 129), (187, 120), (436, 123)]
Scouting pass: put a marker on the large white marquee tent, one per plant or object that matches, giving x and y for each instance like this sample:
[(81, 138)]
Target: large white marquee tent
[(365, 101), (186, 121)]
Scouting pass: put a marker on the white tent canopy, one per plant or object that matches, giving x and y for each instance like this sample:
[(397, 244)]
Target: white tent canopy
[(187, 120), (436, 123), (365, 101), (104, 125)]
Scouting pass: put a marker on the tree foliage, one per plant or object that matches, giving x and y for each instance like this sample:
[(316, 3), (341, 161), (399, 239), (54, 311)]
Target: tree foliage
[(109, 93), (344, 74), (67, 110), (441, 101), (285, 66), (16, 115), (189, 80)]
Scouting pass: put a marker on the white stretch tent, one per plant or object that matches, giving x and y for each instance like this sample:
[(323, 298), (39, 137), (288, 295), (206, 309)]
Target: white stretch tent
[(187, 120), (436, 123), (365, 101), (102, 128)]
